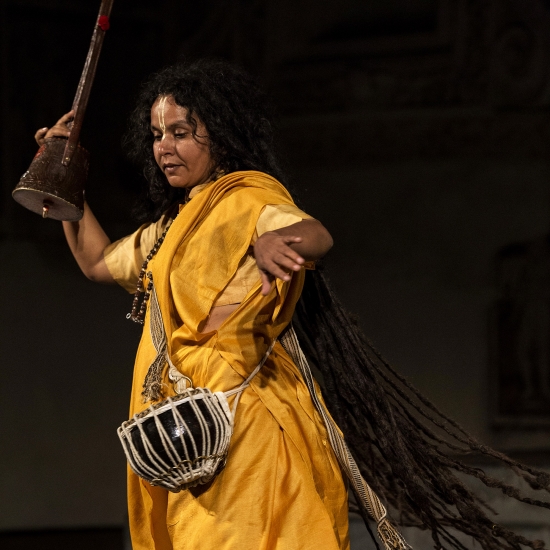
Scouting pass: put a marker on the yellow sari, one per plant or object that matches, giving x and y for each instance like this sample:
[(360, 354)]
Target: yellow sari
[(282, 487)]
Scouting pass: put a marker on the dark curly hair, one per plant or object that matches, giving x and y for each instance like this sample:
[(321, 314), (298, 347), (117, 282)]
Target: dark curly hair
[(235, 112)]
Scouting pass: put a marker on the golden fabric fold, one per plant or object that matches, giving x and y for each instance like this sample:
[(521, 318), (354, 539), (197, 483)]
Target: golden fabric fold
[(282, 487)]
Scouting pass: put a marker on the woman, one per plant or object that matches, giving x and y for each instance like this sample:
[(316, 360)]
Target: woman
[(228, 275), (228, 256)]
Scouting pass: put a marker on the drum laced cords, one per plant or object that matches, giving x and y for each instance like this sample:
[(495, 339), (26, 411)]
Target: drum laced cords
[(390, 537), (196, 452)]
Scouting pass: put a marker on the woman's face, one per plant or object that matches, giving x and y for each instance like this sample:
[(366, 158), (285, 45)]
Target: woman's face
[(183, 158)]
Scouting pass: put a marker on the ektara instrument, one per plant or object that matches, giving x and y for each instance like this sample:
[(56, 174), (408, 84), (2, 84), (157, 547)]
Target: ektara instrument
[(53, 186)]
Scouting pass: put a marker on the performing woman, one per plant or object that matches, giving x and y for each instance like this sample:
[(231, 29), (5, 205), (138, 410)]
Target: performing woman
[(228, 253)]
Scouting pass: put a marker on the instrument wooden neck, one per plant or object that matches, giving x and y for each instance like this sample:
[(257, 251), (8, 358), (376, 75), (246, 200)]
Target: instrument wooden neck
[(87, 78)]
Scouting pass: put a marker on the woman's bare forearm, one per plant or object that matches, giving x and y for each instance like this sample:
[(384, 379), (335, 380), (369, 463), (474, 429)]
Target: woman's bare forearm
[(87, 242), (279, 252), (316, 240)]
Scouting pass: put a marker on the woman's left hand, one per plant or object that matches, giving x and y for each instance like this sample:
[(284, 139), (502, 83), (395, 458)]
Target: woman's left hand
[(275, 257), (59, 129)]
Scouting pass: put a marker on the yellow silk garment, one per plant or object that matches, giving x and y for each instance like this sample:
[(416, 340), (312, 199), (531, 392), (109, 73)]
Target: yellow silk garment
[(125, 257), (282, 487)]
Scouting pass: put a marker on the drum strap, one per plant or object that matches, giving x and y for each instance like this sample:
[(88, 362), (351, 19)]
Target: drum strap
[(388, 534), (152, 385), (153, 380), (246, 383)]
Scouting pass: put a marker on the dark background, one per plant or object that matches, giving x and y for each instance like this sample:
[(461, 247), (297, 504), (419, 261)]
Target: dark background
[(418, 131)]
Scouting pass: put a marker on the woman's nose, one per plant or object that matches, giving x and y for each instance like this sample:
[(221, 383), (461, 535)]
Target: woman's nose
[(166, 145)]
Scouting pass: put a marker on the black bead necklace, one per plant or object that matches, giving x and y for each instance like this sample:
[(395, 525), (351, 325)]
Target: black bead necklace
[(135, 315)]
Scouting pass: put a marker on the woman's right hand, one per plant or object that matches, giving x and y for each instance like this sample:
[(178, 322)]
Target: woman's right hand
[(59, 129)]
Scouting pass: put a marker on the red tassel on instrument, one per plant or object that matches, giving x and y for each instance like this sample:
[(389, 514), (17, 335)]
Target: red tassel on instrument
[(103, 22)]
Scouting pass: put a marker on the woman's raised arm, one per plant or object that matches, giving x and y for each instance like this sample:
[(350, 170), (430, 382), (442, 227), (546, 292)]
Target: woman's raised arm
[(87, 242), (86, 238)]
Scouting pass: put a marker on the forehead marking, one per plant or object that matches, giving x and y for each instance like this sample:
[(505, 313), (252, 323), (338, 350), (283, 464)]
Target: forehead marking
[(161, 108)]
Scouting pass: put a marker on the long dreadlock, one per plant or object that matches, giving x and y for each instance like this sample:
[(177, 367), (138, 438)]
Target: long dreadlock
[(405, 447)]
